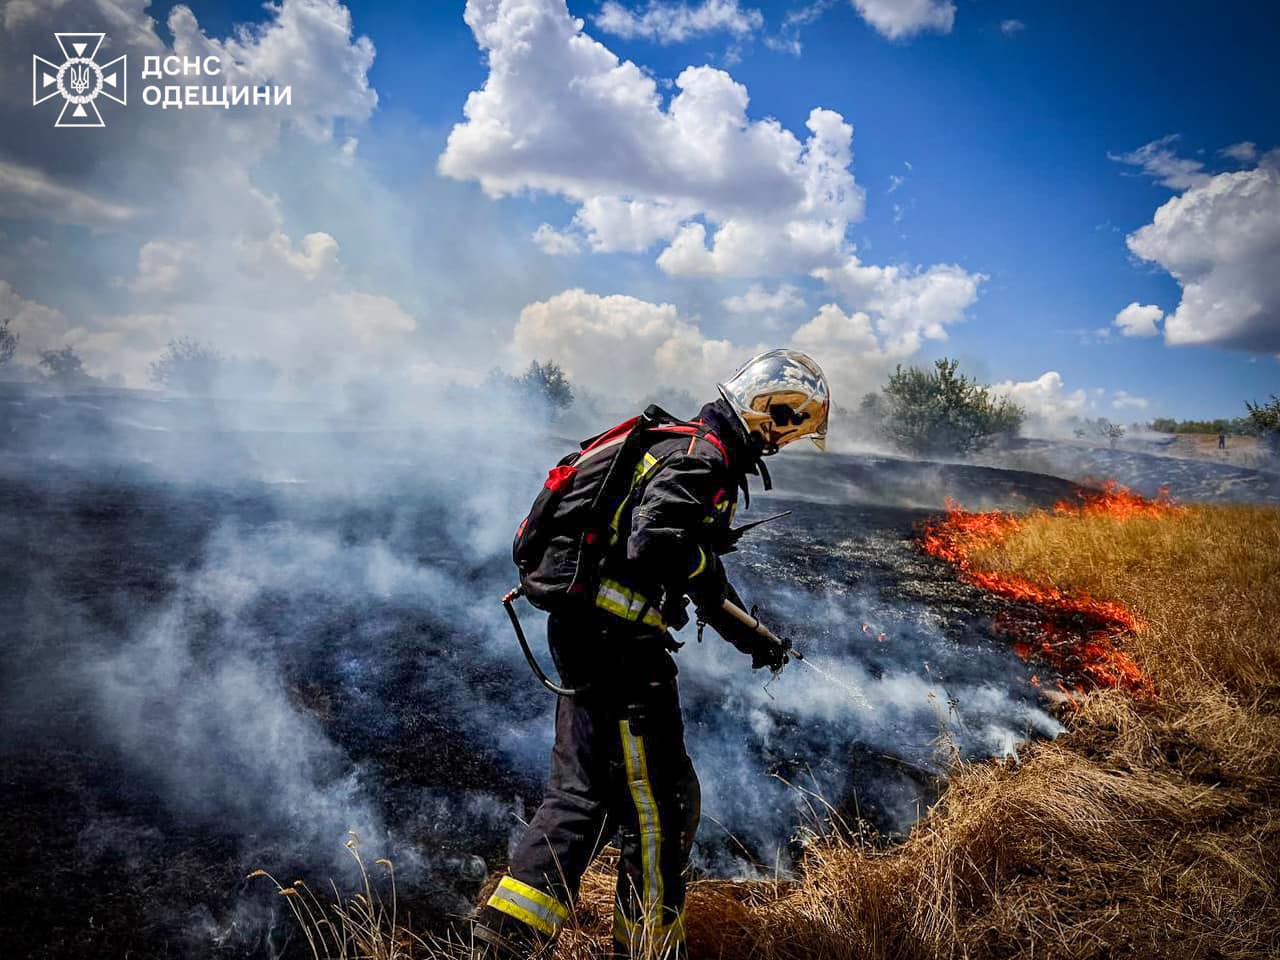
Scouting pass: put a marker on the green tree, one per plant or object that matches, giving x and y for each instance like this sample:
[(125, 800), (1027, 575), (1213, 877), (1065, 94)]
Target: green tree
[(187, 365), (1264, 419), (546, 382), (64, 367), (8, 342), (942, 411)]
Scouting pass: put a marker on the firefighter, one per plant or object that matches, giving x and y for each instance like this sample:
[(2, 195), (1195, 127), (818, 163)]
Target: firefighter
[(619, 767)]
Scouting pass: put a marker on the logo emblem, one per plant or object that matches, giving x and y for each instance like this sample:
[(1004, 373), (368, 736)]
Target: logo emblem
[(79, 80)]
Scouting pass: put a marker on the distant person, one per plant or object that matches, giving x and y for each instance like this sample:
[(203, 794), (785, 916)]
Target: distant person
[(1222, 439)]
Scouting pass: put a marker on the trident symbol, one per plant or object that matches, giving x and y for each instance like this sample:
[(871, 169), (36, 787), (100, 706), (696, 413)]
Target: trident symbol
[(79, 79)]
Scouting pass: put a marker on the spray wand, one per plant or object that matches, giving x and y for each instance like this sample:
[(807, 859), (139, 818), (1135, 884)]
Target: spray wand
[(752, 622)]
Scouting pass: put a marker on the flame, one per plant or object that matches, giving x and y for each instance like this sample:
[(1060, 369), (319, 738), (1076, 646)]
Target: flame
[(1075, 634)]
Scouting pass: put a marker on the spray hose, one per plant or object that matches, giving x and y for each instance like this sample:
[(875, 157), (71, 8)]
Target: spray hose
[(751, 622), (509, 602)]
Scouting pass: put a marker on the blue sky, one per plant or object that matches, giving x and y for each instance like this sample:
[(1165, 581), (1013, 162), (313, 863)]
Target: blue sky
[(993, 143)]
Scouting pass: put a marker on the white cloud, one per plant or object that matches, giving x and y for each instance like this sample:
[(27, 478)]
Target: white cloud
[(1123, 400), (554, 243), (1157, 159), (1137, 320), (1012, 27), (846, 347), (27, 193), (909, 304), (1220, 239), (38, 327), (308, 45), (758, 299), (613, 225), (1046, 399), (787, 39), (1244, 152), (629, 347), (622, 345), (897, 19), (667, 22), (560, 112), (162, 265)]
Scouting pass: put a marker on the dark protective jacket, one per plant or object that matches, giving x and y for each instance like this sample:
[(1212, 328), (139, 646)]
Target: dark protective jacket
[(670, 532)]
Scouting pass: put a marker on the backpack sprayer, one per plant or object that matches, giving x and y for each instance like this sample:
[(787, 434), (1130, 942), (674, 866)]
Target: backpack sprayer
[(731, 608), (749, 620)]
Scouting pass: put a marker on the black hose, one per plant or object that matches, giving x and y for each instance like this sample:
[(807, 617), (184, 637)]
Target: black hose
[(508, 601)]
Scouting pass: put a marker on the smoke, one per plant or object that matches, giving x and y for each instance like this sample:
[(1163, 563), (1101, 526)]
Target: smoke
[(278, 622)]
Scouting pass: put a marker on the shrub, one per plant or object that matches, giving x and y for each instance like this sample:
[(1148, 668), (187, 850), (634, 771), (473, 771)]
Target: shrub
[(941, 411), (8, 342), (64, 367), (189, 366)]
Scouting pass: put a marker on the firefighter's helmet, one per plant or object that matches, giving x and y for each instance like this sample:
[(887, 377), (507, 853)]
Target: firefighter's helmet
[(781, 396)]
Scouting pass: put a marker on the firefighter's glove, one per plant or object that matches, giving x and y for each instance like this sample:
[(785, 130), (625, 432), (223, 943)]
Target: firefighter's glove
[(674, 608), (769, 654)]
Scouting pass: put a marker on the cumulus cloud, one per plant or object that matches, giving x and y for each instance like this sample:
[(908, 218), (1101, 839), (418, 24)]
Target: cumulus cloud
[(1046, 399), (897, 19), (1123, 400), (758, 299), (308, 45), (1012, 27), (666, 22), (623, 345), (910, 305), (629, 347), (559, 112), (38, 327), (1220, 239), (1138, 320), (846, 346), (553, 242)]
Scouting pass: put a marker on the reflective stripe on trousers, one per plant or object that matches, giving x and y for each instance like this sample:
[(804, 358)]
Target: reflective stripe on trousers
[(529, 905), (650, 932)]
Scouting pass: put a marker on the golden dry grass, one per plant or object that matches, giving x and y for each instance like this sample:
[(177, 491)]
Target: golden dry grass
[(1148, 830)]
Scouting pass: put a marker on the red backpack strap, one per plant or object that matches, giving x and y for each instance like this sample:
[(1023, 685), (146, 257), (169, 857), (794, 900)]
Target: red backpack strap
[(695, 430)]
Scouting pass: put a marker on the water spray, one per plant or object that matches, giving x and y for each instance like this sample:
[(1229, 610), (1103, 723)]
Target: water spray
[(752, 622)]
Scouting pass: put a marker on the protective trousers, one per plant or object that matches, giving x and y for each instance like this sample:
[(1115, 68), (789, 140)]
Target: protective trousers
[(619, 767)]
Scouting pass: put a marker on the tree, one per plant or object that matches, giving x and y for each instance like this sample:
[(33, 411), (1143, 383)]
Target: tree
[(546, 382), (64, 367), (1264, 419), (941, 411), (187, 365), (8, 342)]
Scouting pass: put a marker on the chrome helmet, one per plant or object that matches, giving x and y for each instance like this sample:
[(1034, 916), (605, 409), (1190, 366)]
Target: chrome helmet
[(781, 396)]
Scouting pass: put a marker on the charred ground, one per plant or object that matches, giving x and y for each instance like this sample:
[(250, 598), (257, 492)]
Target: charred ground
[(130, 817)]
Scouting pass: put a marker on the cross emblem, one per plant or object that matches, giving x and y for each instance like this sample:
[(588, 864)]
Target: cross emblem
[(79, 80)]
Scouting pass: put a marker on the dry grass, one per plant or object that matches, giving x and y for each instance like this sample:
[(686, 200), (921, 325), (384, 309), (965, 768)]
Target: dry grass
[(1146, 831)]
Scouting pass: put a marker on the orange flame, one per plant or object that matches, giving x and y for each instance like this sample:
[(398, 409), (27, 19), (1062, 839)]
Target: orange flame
[(1075, 634)]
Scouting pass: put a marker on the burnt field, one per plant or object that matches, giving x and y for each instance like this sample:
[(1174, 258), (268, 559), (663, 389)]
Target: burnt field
[(223, 649)]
